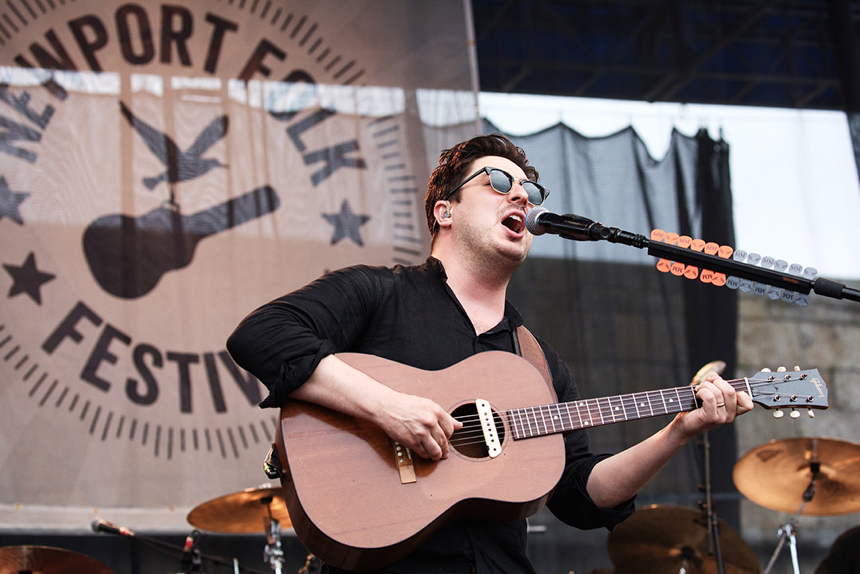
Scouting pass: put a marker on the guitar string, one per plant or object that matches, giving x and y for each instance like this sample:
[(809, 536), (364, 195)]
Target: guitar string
[(472, 432)]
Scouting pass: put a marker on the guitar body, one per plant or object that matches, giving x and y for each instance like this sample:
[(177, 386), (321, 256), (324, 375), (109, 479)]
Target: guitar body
[(343, 486)]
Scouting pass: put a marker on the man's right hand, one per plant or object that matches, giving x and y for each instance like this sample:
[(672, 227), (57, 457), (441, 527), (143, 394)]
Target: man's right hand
[(415, 422)]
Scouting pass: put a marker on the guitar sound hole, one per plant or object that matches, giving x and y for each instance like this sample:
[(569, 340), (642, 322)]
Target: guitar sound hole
[(469, 440)]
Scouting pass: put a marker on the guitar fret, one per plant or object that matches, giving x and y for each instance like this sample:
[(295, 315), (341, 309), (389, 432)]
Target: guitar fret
[(678, 395), (570, 425), (596, 403), (556, 419), (559, 417), (551, 418), (690, 402), (630, 410), (663, 400), (518, 423), (587, 421), (534, 428), (578, 424), (617, 408), (607, 410)]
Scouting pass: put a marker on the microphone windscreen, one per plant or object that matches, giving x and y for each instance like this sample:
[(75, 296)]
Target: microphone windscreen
[(532, 220)]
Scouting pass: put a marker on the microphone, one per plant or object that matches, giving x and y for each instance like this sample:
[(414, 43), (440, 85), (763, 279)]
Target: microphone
[(105, 526), (540, 221)]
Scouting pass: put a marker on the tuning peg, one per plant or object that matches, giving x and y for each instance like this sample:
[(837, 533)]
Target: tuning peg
[(781, 370), (765, 370), (796, 368), (794, 414), (811, 413), (778, 414)]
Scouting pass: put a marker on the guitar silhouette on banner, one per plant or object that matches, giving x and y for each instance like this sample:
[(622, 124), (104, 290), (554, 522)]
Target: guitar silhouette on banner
[(128, 255)]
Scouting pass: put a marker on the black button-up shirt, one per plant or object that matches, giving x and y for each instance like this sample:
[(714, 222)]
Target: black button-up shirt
[(410, 315)]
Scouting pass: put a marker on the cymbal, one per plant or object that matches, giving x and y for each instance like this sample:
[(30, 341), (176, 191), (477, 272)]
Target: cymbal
[(47, 560), (241, 512), (776, 475), (658, 539)]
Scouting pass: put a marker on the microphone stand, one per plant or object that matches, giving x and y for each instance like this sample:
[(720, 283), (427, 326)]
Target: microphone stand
[(171, 549), (710, 513)]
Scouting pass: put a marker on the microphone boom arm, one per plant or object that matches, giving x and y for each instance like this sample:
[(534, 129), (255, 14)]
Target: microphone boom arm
[(717, 264), (579, 228)]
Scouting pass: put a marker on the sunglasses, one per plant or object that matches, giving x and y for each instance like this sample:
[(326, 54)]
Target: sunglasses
[(503, 182)]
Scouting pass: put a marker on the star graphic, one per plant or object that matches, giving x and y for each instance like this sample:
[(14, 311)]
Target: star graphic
[(9, 202), (27, 279), (346, 224)]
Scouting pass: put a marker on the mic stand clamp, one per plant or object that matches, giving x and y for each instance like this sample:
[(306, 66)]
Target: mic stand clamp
[(191, 561)]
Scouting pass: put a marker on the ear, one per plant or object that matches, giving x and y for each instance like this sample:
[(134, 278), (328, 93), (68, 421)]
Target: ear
[(442, 212)]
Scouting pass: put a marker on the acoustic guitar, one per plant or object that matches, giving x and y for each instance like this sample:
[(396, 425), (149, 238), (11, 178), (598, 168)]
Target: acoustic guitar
[(358, 500)]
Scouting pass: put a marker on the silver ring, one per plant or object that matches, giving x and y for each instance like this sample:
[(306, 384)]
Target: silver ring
[(721, 405)]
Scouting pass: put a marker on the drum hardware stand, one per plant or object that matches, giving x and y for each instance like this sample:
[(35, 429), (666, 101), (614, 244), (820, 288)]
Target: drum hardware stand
[(686, 555), (274, 552), (787, 530)]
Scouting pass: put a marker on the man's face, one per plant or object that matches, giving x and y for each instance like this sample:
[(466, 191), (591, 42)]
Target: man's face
[(488, 222)]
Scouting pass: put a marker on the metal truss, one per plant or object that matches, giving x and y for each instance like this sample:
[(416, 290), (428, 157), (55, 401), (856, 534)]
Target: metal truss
[(779, 53)]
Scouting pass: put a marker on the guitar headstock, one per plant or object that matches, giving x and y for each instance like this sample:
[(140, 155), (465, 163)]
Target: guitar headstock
[(789, 390)]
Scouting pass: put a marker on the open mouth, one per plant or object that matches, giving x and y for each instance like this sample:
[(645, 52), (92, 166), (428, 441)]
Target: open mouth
[(515, 223)]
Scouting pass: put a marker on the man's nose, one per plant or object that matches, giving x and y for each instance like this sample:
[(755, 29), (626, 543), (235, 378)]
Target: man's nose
[(518, 193)]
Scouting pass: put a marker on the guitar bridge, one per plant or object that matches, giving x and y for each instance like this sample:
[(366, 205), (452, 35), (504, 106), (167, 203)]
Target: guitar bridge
[(403, 460)]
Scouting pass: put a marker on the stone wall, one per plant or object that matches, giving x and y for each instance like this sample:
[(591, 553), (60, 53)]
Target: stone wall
[(825, 335)]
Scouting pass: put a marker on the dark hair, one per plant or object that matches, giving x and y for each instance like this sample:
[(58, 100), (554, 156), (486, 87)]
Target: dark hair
[(454, 164)]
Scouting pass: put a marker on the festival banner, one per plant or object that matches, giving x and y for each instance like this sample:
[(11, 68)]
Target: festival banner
[(165, 168)]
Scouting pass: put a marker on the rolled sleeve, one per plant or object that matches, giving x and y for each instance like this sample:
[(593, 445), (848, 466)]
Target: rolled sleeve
[(570, 501), (282, 342)]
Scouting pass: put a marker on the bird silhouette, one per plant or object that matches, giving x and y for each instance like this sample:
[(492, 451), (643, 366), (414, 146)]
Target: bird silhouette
[(181, 165)]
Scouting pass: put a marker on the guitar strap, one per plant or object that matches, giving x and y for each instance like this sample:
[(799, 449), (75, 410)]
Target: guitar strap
[(530, 349)]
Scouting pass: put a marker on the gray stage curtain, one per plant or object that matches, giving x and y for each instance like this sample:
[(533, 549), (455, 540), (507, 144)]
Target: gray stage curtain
[(620, 324)]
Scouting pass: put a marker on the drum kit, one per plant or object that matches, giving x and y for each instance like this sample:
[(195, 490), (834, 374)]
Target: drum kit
[(810, 476)]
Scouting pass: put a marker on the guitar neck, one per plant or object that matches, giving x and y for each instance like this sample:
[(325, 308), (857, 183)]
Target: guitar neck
[(531, 422)]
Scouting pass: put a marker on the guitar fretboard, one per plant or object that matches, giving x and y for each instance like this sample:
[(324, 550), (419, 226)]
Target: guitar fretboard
[(542, 420)]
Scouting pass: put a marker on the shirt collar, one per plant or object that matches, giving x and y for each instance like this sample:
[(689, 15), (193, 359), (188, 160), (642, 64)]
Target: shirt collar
[(512, 318)]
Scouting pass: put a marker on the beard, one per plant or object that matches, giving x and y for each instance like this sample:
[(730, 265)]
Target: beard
[(490, 255)]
